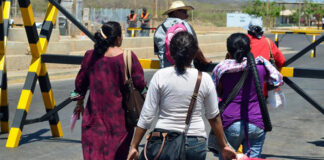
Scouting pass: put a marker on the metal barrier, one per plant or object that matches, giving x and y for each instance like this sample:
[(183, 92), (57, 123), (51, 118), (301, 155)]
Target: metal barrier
[(4, 26), (313, 33), (37, 70), (138, 29)]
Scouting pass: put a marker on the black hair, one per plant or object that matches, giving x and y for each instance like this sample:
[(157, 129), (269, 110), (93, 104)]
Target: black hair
[(238, 46), (183, 47), (255, 31), (112, 30)]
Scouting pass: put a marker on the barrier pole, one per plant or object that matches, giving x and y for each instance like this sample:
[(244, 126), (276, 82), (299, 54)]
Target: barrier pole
[(38, 45), (313, 52), (4, 24), (276, 40)]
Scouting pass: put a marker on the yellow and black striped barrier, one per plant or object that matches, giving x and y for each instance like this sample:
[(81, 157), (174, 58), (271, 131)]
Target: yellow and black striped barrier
[(133, 29), (4, 25), (37, 70), (313, 33)]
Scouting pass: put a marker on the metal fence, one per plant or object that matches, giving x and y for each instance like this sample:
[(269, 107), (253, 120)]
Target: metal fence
[(100, 15)]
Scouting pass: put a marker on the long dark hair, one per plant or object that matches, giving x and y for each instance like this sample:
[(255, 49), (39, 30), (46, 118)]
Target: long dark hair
[(106, 37), (238, 46), (183, 48)]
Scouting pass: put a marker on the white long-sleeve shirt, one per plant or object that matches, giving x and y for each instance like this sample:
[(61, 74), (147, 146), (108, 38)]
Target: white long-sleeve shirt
[(170, 93)]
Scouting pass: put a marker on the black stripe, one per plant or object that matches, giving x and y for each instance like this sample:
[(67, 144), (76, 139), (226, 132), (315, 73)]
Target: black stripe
[(32, 33), (1, 32), (7, 0), (24, 3), (46, 30), (20, 117), (309, 73), (5, 113), (54, 119), (6, 26), (62, 59), (3, 80), (44, 83), (30, 81)]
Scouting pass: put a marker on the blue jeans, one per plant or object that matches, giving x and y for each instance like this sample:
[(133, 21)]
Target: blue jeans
[(235, 135), (196, 148)]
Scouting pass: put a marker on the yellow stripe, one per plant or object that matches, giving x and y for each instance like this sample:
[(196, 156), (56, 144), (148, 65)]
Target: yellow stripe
[(14, 138), (6, 9), (43, 44), (35, 66), (2, 62), (1, 13), (51, 13), (28, 15), (150, 64), (57, 130), (49, 100), (4, 98), (287, 71), (35, 49), (4, 127), (43, 69), (25, 99)]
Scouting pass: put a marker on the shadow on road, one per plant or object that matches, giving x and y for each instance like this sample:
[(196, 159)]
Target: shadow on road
[(319, 143), (37, 136), (291, 157)]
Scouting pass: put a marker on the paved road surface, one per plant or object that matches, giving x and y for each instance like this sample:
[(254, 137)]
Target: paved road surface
[(298, 130)]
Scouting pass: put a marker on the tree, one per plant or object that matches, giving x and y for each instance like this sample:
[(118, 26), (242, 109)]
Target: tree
[(259, 9), (256, 8)]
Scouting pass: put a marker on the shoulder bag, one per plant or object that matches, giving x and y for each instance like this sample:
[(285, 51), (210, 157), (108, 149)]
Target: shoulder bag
[(212, 140), (133, 100), (164, 144)]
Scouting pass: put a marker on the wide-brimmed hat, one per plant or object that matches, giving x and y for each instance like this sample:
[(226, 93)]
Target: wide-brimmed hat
[(177, 5)]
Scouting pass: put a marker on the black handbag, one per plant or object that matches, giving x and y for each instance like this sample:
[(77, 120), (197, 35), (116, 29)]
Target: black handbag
[(273, 62), (164, 144), (133, 100)]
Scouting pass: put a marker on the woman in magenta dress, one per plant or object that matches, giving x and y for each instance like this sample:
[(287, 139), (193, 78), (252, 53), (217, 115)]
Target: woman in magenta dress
[(104, 131)]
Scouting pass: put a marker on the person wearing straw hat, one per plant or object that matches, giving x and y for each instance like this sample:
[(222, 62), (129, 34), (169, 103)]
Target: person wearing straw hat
[(177, 13)]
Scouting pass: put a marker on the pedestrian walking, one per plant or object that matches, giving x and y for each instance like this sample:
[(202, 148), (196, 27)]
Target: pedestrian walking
[(132, 23), (171, 97), (145, 23), (263, 46), (241, 116), (177, 14), (104, 131)]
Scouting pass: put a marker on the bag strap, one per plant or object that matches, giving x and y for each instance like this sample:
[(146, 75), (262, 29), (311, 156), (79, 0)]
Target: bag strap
[(271, 55), (164, 28), (193, 100), (128, 64), (235, 91)]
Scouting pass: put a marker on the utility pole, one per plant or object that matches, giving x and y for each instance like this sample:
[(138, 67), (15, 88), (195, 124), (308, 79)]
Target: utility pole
[(154, 13), (299, 10), (73, 28), (267, 16), (134, 5)]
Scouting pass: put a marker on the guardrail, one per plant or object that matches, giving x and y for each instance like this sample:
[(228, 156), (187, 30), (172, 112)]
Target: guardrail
[(313, 33)]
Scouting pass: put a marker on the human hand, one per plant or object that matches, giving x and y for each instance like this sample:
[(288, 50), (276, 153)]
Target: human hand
[(133, 154), (228, 153), (79, 108)]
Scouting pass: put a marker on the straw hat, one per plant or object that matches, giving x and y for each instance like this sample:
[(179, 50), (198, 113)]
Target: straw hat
[(177, 5)]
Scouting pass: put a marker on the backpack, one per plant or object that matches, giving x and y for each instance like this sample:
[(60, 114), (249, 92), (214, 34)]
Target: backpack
[(169, 35)]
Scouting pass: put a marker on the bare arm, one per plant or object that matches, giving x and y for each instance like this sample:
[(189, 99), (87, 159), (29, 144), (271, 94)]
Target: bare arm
[(133, 152), (217, 127)]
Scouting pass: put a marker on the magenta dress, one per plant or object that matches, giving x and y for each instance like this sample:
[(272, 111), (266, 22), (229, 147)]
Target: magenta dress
[(104, 132)]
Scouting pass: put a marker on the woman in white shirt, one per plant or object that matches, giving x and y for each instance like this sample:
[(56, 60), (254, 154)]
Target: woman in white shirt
[(170, 93)]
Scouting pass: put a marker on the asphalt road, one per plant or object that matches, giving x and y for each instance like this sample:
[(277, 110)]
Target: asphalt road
[(298, 129)]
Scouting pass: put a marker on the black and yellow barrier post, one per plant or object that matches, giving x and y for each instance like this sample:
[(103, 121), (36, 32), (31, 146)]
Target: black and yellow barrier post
[(4, 26), (313, 33), (37, 70), (133, 30)]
